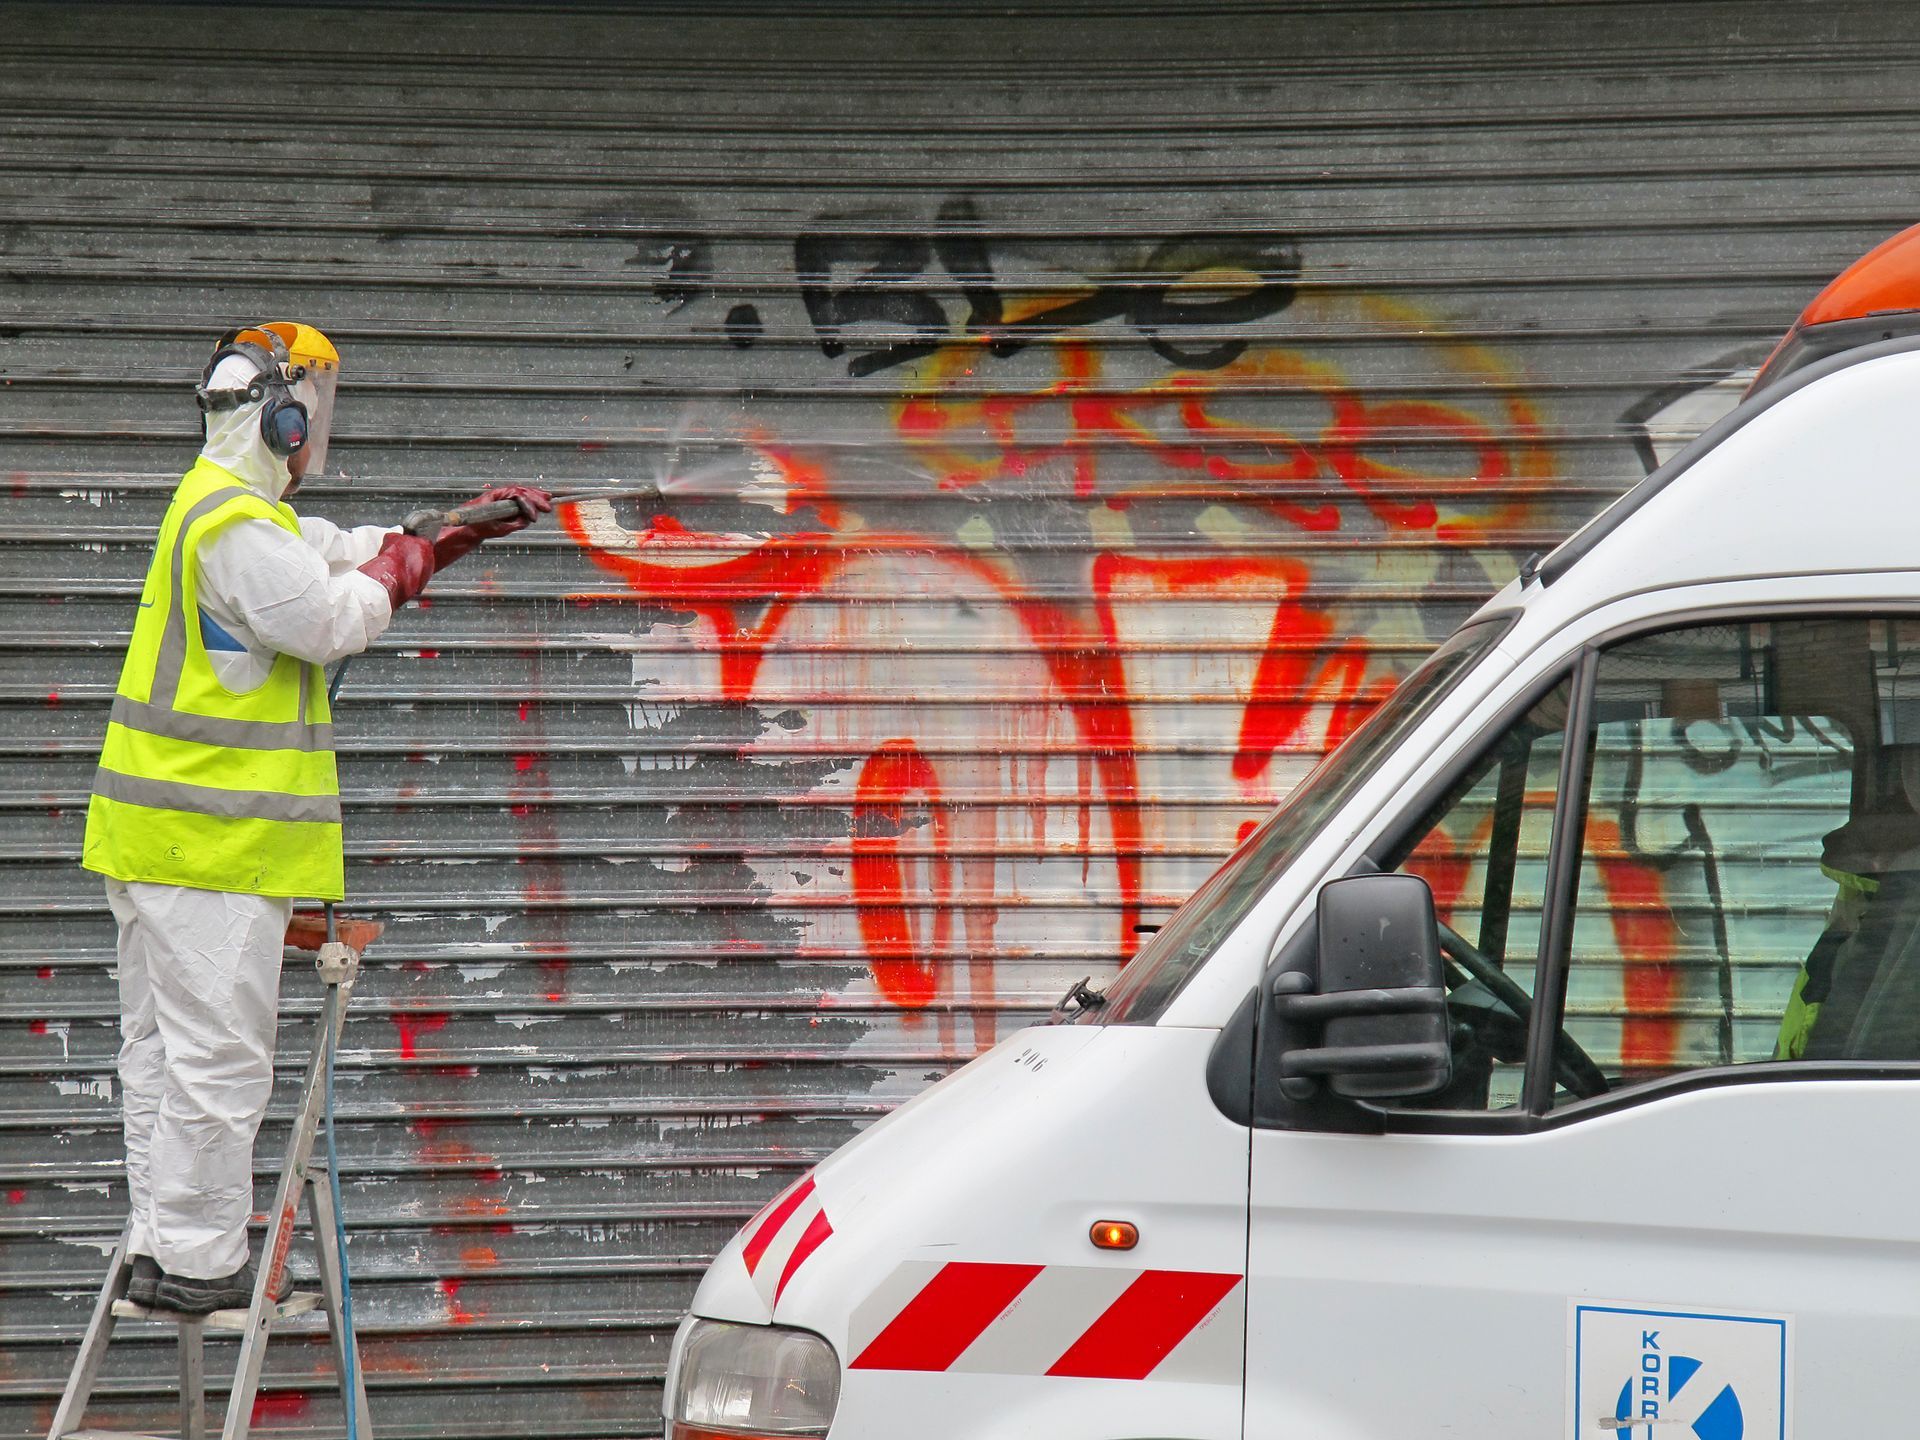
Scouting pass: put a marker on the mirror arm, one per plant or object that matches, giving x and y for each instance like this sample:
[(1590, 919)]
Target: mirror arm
[(1293, 999), (1361, 1059)]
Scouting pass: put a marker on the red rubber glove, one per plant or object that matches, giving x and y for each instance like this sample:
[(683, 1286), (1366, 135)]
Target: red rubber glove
[(403, 566), (459, 540)]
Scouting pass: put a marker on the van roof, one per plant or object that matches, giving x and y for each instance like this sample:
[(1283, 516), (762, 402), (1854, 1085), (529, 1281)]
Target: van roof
[(1868, 311), (1816, 472)]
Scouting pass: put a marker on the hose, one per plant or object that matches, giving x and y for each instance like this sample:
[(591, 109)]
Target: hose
[(349, 1378)]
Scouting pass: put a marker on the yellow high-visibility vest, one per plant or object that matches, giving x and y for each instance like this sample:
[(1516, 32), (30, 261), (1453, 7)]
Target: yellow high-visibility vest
[(199, 785)]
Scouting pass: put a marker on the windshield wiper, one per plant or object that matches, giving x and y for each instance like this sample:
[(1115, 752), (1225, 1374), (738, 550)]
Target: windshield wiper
[(1079, 999)]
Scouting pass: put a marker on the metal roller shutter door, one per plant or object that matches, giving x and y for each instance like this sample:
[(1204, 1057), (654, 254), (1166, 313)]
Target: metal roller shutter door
[(1085, 414)]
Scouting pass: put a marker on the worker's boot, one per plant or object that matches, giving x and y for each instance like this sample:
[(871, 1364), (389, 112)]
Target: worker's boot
[(140, 1284), (203, 1297)]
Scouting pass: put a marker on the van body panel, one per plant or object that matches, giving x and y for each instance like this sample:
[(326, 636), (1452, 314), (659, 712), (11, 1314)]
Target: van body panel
[(1451, 1262), (959, 1268)]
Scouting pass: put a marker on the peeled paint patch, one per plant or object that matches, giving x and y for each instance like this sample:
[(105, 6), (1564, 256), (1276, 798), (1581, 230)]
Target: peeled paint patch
[(472, 973), (61, 1030), (89, 1242)]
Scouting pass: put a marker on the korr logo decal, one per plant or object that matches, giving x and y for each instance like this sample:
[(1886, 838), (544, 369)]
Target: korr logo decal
[(1641, 1374), (1664, 1390)]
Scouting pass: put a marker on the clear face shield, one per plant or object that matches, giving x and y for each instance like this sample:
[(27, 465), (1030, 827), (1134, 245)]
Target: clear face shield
[(315, 390), (313, 368)]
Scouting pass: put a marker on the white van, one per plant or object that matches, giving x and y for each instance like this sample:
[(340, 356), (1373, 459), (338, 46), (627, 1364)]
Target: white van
[(1546, 1066)]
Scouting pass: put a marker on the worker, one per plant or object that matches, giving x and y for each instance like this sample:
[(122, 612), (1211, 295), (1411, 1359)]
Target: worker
[(216, 804), (1814, 983), (1861, 1005)]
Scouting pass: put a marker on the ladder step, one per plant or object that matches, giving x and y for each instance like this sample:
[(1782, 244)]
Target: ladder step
[(298, 1303), (111, 1435)]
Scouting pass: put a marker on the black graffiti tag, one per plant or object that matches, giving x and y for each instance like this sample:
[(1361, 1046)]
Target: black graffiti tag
[(1171, 305)]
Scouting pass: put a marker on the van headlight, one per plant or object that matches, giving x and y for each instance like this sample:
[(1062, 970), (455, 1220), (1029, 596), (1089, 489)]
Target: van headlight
[(734, 1381)]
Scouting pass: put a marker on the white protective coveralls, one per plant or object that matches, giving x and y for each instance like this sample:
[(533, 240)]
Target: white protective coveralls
[(200, 969)]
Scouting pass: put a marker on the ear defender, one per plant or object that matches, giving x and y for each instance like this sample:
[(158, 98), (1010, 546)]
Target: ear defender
[(283, 424), (283, 419)]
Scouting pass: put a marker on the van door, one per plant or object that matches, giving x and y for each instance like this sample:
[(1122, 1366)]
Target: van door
[(1676, 1197)]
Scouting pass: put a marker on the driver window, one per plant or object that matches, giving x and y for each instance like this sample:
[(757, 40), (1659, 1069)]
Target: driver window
[(1750, 879), (1483, 852)]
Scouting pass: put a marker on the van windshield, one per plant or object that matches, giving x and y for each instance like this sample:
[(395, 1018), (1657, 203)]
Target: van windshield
[(1152, 978)]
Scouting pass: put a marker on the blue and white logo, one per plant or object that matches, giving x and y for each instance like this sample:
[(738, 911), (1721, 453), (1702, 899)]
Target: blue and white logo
[(1643, 1374), (1665, 1390)]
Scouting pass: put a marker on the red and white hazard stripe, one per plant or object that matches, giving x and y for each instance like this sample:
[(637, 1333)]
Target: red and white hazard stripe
[(1088, 1321), (781, 1237)]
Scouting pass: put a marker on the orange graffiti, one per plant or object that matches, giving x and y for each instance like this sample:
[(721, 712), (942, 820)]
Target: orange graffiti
[(970, 442)]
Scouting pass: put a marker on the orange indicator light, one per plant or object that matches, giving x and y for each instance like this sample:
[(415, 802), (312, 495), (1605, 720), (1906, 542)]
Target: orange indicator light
[(1115, 1235)]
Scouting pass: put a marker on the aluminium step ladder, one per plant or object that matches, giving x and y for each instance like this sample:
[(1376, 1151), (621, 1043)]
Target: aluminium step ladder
[(338, 965)]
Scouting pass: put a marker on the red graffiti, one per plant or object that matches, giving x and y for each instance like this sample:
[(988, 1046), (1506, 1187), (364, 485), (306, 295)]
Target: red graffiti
[(273, 1405), (457, 1314), (892, 775), (1309, 679), (971, 442), (475, 1207), (1287, 684), (412, 1024), (1087, 672), (1447, 865)]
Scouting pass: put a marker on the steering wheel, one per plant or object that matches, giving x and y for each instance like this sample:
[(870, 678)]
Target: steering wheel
[(1573, 1068)]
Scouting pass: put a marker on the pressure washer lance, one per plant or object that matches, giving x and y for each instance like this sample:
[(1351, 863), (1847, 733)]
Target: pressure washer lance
[(428, 524)]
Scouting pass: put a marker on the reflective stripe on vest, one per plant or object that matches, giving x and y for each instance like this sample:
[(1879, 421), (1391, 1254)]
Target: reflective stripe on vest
[(199, 785), (211, 730), (209, 800)]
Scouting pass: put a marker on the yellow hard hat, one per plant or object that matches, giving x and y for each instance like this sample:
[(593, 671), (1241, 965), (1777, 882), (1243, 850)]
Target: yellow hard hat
[(305, 345)]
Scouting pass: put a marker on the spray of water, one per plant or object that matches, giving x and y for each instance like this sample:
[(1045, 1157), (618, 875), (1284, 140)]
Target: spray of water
[(736, 475)]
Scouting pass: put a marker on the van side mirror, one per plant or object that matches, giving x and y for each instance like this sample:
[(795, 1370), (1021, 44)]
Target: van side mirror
[(1379, 1004)]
